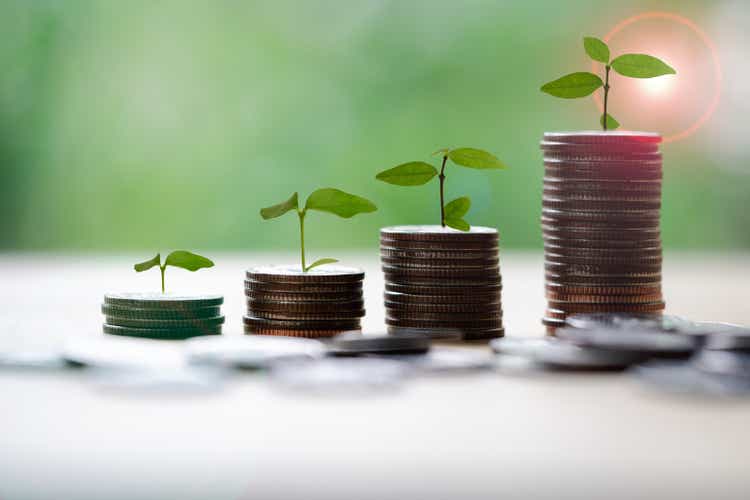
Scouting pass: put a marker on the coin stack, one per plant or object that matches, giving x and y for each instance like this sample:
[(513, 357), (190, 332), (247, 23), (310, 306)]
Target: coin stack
[(322, 302), (442, 282), (600, 222), (162, 316)]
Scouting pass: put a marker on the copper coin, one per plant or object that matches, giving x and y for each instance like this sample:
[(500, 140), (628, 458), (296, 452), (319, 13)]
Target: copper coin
[(455, 299), (493, 307), (304, 316), (309, 307), (416, 323), (603, 290), (570, 308), (327, 274), (412, 313), (286, 332)]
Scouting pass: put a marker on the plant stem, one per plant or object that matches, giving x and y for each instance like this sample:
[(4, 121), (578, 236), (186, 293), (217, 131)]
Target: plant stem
[(442, 195), (606, 95), (162, 269), (302, 239)]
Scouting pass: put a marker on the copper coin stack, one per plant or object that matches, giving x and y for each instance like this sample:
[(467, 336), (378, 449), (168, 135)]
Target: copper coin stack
[(322, 302), (442, 282), (600, 222)]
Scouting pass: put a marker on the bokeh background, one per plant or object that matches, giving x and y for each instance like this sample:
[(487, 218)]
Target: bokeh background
[(167, 124)]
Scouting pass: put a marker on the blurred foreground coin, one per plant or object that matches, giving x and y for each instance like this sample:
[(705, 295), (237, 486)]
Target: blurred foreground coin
[(122, 352), (252, 351), (687, 378), (339, 375), (446, 360), (637, 340), (354, 343), (725, 336), (555, 353)]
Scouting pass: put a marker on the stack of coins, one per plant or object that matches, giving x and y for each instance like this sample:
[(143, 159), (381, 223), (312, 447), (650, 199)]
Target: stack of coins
[(600, 222), (322, 302), (162, 316), (442, 282)]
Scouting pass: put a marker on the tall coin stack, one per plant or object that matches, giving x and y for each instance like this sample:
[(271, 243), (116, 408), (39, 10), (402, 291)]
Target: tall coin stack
[(321, 302), (162, 316), (442, 282), (600, 222)]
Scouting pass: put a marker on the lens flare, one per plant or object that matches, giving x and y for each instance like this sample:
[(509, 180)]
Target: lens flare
[(661, 91)]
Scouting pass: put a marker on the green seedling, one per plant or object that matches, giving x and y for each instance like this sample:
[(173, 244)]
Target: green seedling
[(583, 84), (416, 173), (178, 258), (333, 201)]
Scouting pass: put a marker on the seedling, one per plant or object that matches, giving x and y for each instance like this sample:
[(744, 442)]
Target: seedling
[(329, 200), (178, 258), (582, 84), (416, 173)]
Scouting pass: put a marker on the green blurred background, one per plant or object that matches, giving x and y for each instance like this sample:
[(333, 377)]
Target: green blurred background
[(158, 124)]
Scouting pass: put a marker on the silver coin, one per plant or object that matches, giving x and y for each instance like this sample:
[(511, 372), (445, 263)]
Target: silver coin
[(684, 378), (556, 353), (637, 340), (339, 375), (730, 363), (354, 343), (251, 351), (446, 360), (725, 336), (624, 321)]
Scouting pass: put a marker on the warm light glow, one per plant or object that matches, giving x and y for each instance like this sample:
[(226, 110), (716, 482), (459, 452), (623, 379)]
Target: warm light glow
[(666, 95)]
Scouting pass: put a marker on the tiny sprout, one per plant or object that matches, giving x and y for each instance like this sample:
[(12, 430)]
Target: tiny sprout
[(416, 173), (582, 84), (329, 200), (179, 258)]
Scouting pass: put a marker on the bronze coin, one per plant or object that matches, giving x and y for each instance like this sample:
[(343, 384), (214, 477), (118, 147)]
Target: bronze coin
[(455, 299), (489, 307), (255, 322), (309, 307), (327, 274), (604, 299), (286, 332), (441, 289), (311, 316)]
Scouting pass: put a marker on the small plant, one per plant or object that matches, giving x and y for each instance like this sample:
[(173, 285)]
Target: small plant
[(582, 84), (329, 200), (416, 173), (178, 258)]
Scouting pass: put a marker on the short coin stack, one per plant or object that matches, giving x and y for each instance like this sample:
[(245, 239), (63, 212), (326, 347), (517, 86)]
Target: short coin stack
[(442, 282), (600, 221), (162, 316), (322, 302)]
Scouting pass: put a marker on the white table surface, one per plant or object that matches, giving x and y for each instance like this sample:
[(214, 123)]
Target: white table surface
[(491, 435)]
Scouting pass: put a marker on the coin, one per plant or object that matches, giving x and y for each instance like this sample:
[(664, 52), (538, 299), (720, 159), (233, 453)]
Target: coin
[(471, 289), (446, 360), (602, 253), (612, 147), (488, 273), (573, 307), (297, 333), (657, 343), (633, 290), (685, 378), (162, 300), (427, 306), (161, 333), (438, 233), (166, 324), (301, 289), (470, 298), (311, 316), (656, 322), (327, 274), (606, 137), (725, 336), (347, 324), (468, 264), (305, 307), (397, 253), (603, 299), (603, 280), (603, 186), (584, 203), (555, 353), (158, 314), (434, 245), (478, 324), (599, 244), (251, 351), (353, 344)]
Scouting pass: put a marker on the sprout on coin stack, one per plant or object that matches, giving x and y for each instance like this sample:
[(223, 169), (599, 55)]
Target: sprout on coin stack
[(443, 280), (601, 204), (164, 315), (315, 300)]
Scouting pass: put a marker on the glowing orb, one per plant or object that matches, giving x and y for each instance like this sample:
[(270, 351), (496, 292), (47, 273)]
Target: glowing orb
[(666, 95)]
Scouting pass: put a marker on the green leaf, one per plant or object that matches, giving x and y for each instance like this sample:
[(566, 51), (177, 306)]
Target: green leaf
[(459, 224), (145, 266), (573, 85), (475, 158), (457, 208), (612, 124), (280, 209), (320, 262), (414, 173), (641, 66), (441, 151), (187, 260), (596, 49), (339, 203)]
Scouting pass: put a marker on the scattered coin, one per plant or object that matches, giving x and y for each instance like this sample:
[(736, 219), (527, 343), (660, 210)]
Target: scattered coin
[(724, 336), (251, 352), (565, 355), (648, 341), (353, 344), (685, 378)]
